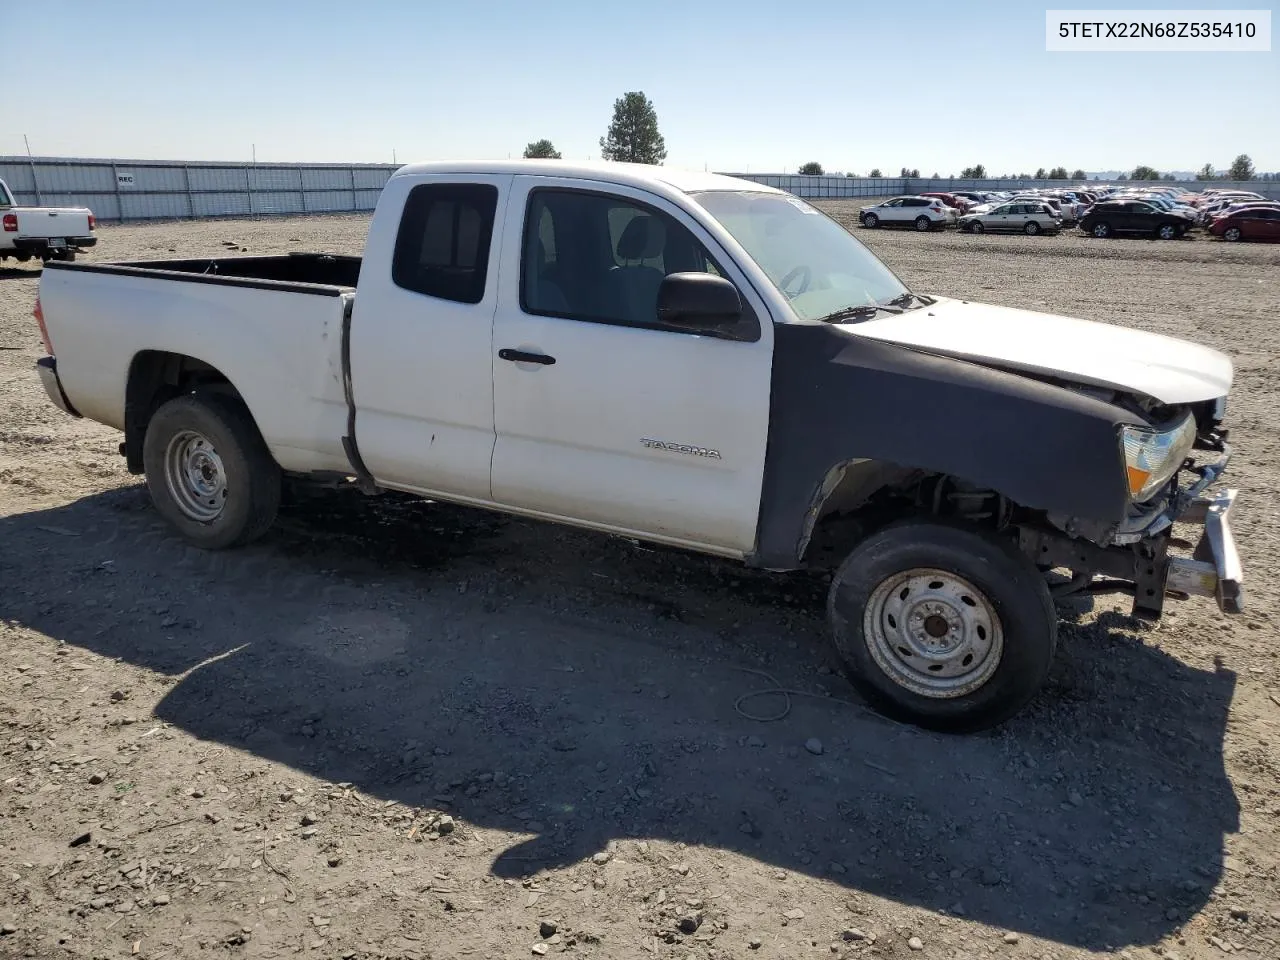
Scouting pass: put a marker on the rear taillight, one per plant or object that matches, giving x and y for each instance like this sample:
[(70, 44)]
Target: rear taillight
[(93, 221), (10, 223), (38, 313)]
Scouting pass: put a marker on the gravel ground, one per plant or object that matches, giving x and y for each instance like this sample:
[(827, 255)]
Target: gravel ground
[(396, 729)]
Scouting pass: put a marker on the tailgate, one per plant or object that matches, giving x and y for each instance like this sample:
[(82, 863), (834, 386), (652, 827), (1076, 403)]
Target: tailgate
[(50, 222)]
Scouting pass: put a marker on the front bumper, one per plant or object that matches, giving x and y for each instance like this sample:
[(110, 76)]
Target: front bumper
[(1138, 563), (1215, 569), (47, 368)]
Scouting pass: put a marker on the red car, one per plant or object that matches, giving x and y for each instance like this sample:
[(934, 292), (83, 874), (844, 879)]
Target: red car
[(960, 204), (1251, 223)]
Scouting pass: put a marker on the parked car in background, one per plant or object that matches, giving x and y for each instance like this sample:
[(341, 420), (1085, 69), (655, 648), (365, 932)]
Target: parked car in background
[(1248, 223), (1226, 207), (923, 213), (1053, 203), (958, 203), (1018, 217), (47, 233), (1112, 217)]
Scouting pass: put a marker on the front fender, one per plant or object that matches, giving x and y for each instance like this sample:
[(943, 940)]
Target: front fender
[(836, 397)]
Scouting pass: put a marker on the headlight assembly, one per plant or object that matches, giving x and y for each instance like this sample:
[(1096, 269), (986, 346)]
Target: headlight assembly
[(1151, 457)]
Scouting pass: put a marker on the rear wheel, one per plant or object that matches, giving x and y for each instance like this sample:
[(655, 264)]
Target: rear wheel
[(209, 472), (1032, 228), (946, 627), (871, 220), (923, 223), (1101, 230)]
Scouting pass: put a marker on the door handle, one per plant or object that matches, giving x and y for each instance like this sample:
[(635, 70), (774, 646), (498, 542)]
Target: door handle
[(520, 356)]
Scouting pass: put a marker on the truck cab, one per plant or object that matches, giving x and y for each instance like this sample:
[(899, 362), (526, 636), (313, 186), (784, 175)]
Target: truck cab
[(690, 360)]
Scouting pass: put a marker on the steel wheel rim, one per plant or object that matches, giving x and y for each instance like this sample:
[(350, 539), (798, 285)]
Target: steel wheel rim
[(933, 632), (195, 476)]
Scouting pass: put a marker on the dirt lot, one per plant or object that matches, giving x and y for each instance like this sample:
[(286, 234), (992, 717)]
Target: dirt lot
[(406, 730)]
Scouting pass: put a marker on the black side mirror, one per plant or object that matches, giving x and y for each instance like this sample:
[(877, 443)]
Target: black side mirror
[(699, 302)]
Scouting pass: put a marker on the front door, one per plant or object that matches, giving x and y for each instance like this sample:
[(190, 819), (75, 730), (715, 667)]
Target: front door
[(602, 416)]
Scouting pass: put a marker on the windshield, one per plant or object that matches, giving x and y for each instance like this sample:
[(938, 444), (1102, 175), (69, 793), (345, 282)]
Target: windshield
[(819, 266)]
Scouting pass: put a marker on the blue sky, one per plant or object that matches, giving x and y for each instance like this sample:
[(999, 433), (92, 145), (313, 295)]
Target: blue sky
[(738, 85)]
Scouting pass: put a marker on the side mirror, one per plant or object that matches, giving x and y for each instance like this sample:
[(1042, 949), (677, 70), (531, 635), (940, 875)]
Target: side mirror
[(698, 302)]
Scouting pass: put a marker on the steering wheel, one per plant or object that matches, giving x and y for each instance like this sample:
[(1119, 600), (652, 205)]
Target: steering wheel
[(803, 273)]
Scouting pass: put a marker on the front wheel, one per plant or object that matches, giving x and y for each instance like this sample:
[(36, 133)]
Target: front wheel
[(209, 472), (945, 627), (1101, 230), (976, 227), (871, 220), (1231, 233), (1167, 231)]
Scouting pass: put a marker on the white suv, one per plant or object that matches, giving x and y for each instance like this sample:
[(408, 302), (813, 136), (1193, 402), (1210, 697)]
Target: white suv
[(924, 213)]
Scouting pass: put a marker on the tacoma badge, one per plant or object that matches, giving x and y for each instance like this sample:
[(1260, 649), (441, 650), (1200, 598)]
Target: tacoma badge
[(681, 448)]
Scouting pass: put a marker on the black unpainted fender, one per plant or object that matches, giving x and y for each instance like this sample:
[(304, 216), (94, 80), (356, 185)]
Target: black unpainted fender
[(837, 398)]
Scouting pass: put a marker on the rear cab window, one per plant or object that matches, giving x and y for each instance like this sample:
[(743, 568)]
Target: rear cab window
[(442, 246)]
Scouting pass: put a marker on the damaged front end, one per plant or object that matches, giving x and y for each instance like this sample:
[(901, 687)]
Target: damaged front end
[(1171, 469)]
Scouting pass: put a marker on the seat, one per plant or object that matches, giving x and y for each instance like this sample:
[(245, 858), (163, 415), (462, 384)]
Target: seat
[(633, 286), (545, 294)]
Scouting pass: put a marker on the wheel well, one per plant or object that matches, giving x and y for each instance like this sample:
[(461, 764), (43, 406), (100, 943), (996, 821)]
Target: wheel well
[(155, 377), (863, 496)]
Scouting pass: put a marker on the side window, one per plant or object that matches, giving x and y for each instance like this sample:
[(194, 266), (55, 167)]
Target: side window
[(602, 258), (442, 247)]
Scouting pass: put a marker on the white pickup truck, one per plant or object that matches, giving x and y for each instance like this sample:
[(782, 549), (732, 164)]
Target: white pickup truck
[(687, 359), (49, 233)]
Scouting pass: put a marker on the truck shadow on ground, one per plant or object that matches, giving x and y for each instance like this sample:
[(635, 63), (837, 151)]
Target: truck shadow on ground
[(581, 689), (20, 273)]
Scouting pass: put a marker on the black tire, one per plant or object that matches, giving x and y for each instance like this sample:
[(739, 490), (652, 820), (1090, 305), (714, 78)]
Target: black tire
[(1009, 583), (1031, 229), (871, 221), (1101, 230), (252, 479), (923, 224)]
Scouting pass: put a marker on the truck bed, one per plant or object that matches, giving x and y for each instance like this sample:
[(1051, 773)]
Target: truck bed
[(303, 272)]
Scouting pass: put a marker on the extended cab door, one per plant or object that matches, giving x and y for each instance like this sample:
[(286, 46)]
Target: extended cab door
[(602, 416), (422, 333)]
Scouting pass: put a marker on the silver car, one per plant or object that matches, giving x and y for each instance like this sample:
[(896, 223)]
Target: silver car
[(1021, 216)]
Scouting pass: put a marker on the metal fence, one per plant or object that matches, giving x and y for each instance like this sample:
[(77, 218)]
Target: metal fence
[(121, 190), (118, 190)]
